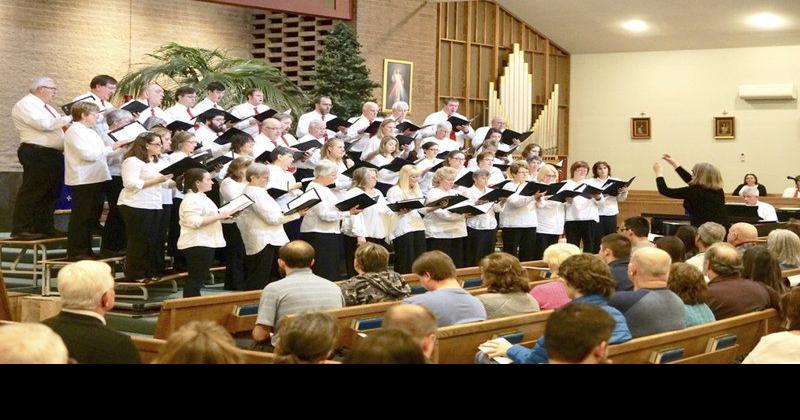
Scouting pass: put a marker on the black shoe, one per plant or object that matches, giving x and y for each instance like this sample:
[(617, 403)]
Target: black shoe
[(28, 236), (55, 233)]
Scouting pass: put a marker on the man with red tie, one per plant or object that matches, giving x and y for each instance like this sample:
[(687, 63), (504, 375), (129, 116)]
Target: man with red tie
[(101, 87), (214, 93), (459, 133), (41, 132), (186, 97), (253, 106), (152, 95)]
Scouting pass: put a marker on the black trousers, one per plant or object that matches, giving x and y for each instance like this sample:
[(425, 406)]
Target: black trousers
[(607, 225), (163, 229), (42, 171), (350, 246), (261, 268), (141, 229), (520, 242), (234, 257), (454, 247), (585, 231), (174, 234), (479, 244), (199, 260), (406, 249), (114, 229), (292, 229), (544, 240), (83, 218), (328, 249)]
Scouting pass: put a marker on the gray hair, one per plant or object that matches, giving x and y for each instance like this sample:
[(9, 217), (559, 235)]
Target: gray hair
[(480, 173), (83, 284), (256, 170), (749, 190), (30, 343), (151, 122), (316, 123), (444, 124), (400, 105), (40, 81), (117, 115), (370, 105), (325, 168), (710, 233), (785, 246)]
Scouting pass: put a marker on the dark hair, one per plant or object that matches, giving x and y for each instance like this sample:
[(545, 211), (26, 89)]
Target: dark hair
[(573, 330), (639, 225), (297, 254), (428, 144), (597, 165), (183, 91), (686, 281), (790, 308), (250, 91), (618, 243), (306, 338), (502, 273), (575, 166), (760, 265), (280, 151), (491, 131), (436, 263), (191, 177), (527, 150), (318, 100), (102, 80), (744, 180), (674, 247), (387, 346), (215, 86), (239, 140), (687, 234), (588, 274), (139, 147), (454, 153)]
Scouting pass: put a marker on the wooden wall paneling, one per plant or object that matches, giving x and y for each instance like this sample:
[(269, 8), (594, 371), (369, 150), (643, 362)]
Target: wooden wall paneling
[(539, 81), (444, 74), (458, 79), (496, 42), (468, 60), (474, 68)]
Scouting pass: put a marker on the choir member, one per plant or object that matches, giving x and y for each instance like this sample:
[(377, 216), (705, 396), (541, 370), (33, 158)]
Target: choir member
[(212, 125), (582, 214), (261, 227), (201, 230), (532, 149), (214, 93), (481, 229), (249, 109), (167, 193), (262, 142), (518, 219), (498, 124), (550, 215), (408, 234), (370, 224), (286, 124), (241, 145), (232, 187), (445, 231), (360, 139), (793, 192), (101, 88), (424, 165), (183, 145), (185, 97), (456, 159), (316, 132), (486, 162), (442, 138), (601, 171), (334, 152), (152, 95), (281, 178), (534, 163), (458, 134), (383, 156), (372, 146), (322, 111), (750, 180), (140, 205), (113, 241)]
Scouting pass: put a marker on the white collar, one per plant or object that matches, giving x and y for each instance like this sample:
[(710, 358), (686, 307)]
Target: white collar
[(86, 313)]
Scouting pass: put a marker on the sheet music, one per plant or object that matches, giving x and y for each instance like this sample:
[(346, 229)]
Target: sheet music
[(237, 204), (127, 133)]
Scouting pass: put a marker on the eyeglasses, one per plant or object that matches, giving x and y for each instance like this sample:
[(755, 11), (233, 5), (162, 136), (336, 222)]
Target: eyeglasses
[(49, 87)]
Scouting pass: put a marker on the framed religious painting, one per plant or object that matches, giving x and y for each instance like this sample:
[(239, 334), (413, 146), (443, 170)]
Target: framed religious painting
[(397, 77), (724, 128), (640, 128)]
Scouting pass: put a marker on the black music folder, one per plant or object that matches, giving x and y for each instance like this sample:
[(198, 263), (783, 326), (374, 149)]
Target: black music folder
[(362, 201)]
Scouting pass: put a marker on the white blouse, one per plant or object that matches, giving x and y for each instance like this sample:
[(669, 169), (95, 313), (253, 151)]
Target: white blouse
[(384, 175), (550, 217), (324, 217), (610, 206), (519, 211), (426, 179), (582, 208), (485, 221), (403, 223), (372, 222), (441, 223), (195, 207), (262, 223), (85, 156), (134, 174), (281, 179), (166, 188), (228, 190), (343, 182)]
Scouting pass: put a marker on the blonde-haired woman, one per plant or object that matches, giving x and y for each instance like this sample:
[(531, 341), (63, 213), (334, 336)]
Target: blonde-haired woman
[(549, 214), (334, 151), (445, 231), (369, 225), (200, 342), (554, 294), (408, 233), (373, 145), (703, 199)]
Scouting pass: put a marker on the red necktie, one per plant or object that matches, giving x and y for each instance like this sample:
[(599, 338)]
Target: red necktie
[(189, 110), (284, 140), (102, 102), (452, 134), (214, 106), (255, 109), (63, 128), (153, 112), (326, 135)]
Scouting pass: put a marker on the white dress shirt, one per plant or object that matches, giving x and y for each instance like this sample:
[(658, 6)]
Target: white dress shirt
[(373, 222), (168, 188), (133, 194), (582, 208), (362, 140), (246, 111), (206, 136), (305, 119), (766, 212), (441, 116), (480, 136), (520, 210), (445, 144), (343, 182), (101, 127), (324, 217), (384, 175), (114, 160), (195, 207), (610, 206), (281, 179), (441, 223), (154, 112), (495, 174), (180, 112), (39, 123), (485, 221), (311, 162), (262, 223), (261, 144), (174, 157), (204, 106), (403, 223), (85, 156), (550, 217), (427, 178)]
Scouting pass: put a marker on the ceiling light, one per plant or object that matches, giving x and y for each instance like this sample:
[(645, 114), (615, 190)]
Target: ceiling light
[(636, 25), (766, 21)]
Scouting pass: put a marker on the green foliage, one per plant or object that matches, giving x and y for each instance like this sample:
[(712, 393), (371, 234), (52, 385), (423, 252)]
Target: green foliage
[(342, 74), (177, 66)]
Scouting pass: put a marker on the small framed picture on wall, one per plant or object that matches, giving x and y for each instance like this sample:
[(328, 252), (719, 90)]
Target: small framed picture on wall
[(724, 128), (640, 128)]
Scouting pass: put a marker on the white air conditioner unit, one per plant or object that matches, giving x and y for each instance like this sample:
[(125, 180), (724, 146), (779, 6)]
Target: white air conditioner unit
[(768, 92)]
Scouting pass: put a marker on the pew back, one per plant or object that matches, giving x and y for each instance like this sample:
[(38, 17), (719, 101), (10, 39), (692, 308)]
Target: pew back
[(150, 347), (177, 312)]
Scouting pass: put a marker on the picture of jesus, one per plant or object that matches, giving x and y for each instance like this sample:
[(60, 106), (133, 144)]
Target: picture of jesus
[(397, 78)]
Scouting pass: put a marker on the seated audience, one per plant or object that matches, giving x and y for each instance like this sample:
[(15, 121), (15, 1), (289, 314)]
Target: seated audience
[(553, 295), (200, 343), (687, 234), (651, 308), (766, 212), (761, 266), (87, 294), (615, 250), (785, 246), (309, 338), (708, 234), (729, 293), (784, 346), (418, 321), (444, 296), (637, 230), (374, 282), (300, 291), (507, 286), (673, 246), (578, 334), (30, 343), (750, 180), (688, 283), (588, 281), (387, 347), (742, 236)]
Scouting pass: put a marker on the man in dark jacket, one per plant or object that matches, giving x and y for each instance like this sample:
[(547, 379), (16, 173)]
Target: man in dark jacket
[(87, 293), (728, 293), (615, 250)]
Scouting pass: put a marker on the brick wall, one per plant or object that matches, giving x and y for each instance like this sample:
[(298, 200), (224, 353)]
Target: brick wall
[(74, 40), (402, 30)]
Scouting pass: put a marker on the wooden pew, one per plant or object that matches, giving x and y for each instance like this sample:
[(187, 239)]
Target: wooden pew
[(149, 347), (793, 275), (748, 328), (5, 303), (457, 344), (726, 356), (177, 312)]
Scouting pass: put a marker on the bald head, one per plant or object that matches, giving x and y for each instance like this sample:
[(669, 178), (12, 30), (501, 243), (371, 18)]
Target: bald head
[(742, 233), (296, 254), (722, 259), (498, 122), (153, 93), (418, 321), (649, 265)]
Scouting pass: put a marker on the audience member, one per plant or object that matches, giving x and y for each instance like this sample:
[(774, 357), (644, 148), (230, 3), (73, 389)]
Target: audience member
[(688, 283), (300, 291), (386, 347), (766, 212), (750, 180), (507, 286), (87, 294), (637, 230), (651, 308), (578, 334), (374, 282), (742, 236), (308, 338), (785, 246), (784, 346), (444, 296), (615, 250), (687, 234), (200, 343), (673, 246), (708, 234), (418, 321), (729, 293), (553, 295), (761, 266), (31, 343)]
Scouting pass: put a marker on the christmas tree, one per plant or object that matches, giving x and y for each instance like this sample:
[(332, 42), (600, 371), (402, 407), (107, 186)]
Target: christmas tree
[(342, 74)]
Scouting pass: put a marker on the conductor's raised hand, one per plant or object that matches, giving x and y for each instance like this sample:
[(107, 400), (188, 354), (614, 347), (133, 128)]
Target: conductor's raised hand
[(658, 169), (667, 157)]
